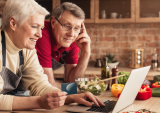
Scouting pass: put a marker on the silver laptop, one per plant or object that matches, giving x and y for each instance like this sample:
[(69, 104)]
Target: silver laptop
[(126, 98)]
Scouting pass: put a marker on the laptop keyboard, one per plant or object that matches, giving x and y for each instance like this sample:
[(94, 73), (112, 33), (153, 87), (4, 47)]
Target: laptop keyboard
[(109, 106)]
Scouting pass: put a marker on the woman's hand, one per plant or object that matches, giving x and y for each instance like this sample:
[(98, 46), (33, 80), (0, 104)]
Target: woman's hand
[(52, 100), (83, 97)]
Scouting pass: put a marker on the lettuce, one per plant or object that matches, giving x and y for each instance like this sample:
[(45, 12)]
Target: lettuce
[(123, 80)]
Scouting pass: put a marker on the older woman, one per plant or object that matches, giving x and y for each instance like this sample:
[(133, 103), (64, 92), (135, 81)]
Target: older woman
[(23, 21)]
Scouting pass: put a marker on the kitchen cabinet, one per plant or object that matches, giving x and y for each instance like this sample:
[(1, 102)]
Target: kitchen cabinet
[(86, 5), (48, 4), (147, 11), (128, 11), (124, 9)]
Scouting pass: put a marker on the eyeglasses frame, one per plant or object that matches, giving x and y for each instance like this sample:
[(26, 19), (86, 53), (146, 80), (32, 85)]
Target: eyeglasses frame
[(63, 25)]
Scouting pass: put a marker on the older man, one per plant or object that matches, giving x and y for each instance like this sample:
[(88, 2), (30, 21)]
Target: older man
[(61, 39)]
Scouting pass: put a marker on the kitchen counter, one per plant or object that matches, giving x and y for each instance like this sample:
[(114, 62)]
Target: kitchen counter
[(59, 73), (151, 104)]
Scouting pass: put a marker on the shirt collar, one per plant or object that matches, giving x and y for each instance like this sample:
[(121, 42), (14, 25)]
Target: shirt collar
[(54, 46), (10, 45)]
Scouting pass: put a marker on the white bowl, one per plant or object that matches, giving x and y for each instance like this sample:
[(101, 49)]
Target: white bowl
[(112, 65)]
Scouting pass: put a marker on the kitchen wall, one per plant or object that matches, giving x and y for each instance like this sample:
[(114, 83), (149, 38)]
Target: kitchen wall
[(2, 3), (119, 38)]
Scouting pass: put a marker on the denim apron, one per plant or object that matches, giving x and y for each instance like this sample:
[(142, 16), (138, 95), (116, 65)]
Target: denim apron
[(12, 82)]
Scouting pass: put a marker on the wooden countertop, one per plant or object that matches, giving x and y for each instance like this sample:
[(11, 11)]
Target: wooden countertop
[(151, 104), (59, 73)]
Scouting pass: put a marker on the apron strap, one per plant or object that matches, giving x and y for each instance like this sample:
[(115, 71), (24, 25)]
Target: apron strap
[(21, 58), (3, 48), (4, 51)]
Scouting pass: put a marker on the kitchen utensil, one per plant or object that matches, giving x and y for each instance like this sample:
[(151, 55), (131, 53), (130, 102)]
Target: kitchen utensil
[(95, 76), (114, 15), (105, 79), (136, 58), (98, 63), (103, 14), (154, 62)]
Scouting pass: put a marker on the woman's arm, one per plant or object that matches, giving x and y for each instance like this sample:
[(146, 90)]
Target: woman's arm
[(47, 101), (82, 99)]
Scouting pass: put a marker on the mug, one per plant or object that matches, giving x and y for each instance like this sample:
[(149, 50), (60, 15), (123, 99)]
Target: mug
[(114, 15)]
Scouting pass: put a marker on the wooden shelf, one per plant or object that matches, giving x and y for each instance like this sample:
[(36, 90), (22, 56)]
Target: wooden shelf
[(117, 20), (92, 9), (140, 19)]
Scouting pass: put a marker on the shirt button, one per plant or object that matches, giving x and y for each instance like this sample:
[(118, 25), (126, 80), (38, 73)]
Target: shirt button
[(56, 56)]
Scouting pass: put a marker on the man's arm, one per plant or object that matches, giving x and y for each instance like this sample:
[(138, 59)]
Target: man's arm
[(73, 71), (49, 73)]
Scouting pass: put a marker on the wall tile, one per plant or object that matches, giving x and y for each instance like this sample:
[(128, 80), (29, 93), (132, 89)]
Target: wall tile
[(118, 39)]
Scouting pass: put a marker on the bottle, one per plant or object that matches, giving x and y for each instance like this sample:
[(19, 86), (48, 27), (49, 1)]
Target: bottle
[(120, 16), (114, 73), (105, 72), (154, 61), (98, 63), (108, 75), (103, 14), (104, 69)]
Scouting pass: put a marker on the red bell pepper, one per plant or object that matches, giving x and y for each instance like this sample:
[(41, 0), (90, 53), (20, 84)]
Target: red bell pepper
[(144, 93), (156, 85), (144, 85), (119, 95)]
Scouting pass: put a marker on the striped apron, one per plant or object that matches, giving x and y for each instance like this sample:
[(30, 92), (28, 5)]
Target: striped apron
[(12, 82), (56, 64)]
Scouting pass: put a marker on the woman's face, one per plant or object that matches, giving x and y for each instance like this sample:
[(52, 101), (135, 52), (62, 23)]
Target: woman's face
[(26, 35)]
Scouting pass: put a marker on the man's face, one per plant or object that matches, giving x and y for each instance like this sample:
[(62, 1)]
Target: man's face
[(26, 35), (63, 37)]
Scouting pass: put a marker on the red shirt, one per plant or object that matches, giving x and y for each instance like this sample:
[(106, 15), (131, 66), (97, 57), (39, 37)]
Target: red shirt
[(46, 49)]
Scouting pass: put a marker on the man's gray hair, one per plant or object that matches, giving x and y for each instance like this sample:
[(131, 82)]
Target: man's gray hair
[(70, 7), (21, 10)]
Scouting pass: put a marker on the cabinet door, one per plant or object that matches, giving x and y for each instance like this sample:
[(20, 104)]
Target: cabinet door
[(147, 11), (116, 11), (86, 5), (48, 4)]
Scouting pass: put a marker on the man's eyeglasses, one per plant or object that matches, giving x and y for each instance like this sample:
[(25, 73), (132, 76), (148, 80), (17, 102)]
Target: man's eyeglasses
[(69, 27)]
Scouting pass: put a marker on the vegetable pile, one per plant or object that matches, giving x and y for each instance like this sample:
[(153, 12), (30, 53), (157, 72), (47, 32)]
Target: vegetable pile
[(156, 85), (123, 80), (93, 88)]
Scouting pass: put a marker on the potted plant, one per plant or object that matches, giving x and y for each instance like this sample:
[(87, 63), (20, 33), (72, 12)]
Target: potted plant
[(111, 62)]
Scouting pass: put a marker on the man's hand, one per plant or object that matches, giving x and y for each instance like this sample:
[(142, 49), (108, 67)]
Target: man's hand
[(83, 40), (82, 99), (52, 100)]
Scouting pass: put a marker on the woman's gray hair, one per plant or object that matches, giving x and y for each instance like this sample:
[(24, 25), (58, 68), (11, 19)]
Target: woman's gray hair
[(21, 10), (70, 7)]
